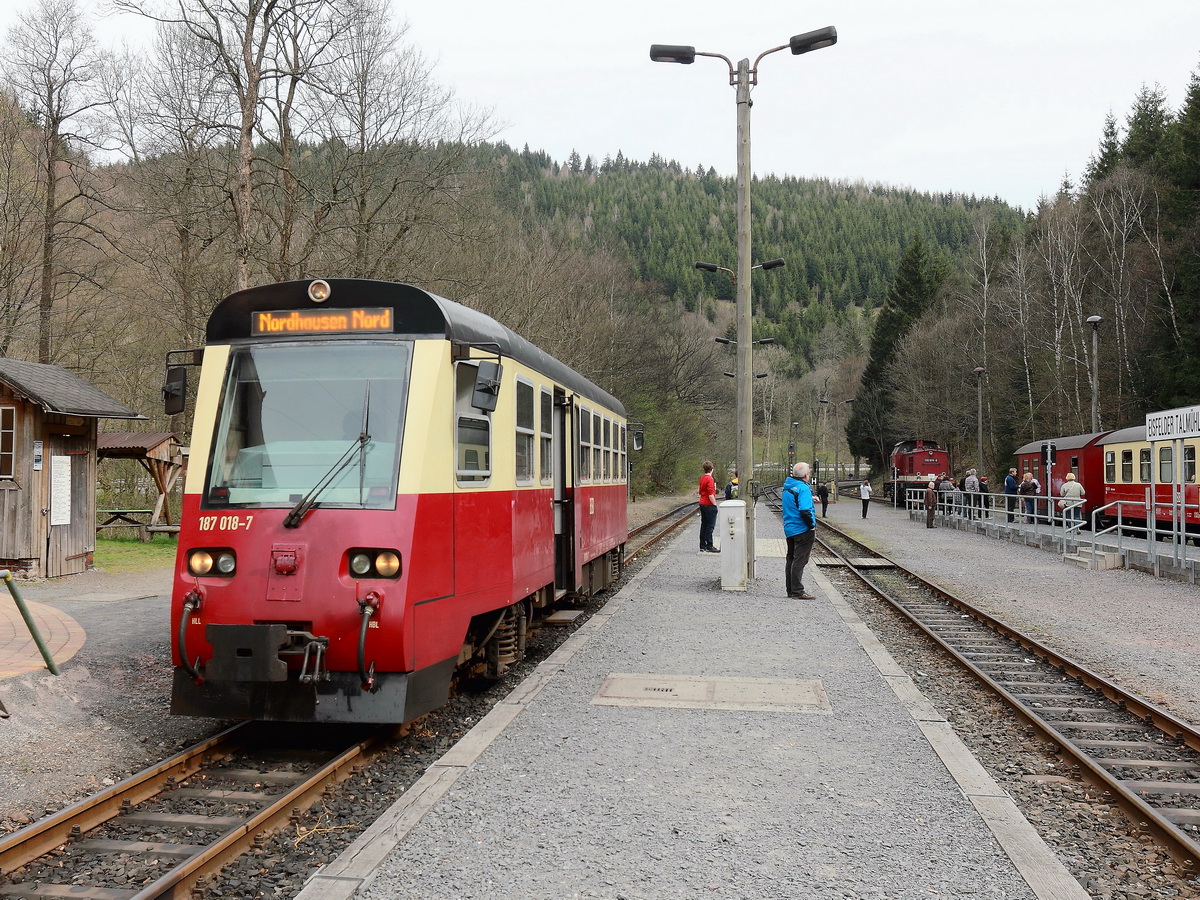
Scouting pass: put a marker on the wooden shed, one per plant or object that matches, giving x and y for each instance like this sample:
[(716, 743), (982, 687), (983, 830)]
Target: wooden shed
[(48, 428), (165, 461)]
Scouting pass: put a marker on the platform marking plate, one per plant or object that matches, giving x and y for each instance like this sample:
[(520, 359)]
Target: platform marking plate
[(690, 692)]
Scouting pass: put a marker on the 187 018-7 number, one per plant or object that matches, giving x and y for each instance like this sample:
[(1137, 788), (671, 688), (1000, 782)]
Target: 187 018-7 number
[(225, 523)]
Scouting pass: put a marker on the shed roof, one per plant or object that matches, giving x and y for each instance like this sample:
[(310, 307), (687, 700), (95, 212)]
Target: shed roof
[(131, 443), (59, 391)]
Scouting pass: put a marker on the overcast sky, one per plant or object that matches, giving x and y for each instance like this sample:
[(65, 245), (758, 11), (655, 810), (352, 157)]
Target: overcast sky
[(938, 95)]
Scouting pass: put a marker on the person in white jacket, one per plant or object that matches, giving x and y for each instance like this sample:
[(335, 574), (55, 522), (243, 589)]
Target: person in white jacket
[(864, 491)]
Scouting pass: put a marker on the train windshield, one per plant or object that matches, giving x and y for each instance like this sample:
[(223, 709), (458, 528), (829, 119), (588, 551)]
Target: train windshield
[(289, 415)]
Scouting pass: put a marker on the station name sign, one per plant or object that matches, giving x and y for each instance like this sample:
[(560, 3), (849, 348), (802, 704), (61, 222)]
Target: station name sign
[(1173, 424), (324, 321)]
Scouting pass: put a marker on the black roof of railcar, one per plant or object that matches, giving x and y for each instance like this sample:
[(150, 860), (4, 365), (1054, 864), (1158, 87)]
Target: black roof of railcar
[(418, 313)]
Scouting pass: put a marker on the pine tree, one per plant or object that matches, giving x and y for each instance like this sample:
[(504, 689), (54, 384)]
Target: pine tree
[(1108, 154), (1146, 137)]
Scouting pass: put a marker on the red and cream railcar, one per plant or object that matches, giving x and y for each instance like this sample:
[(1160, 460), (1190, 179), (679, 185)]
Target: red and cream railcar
[(1080, 454), (385, 486), (1133, 467)]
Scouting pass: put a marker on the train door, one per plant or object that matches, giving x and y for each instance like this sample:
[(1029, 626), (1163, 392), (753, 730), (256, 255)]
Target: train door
[(563, 443)]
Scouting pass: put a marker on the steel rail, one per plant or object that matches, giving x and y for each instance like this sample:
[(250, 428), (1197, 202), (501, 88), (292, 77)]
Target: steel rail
[(1165, 832), (29, 843), (687, 510)]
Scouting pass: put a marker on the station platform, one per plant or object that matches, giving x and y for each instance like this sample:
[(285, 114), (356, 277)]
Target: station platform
[(693, 742), (61, 634)]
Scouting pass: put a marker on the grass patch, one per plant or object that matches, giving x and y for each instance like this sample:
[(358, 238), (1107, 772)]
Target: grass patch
[(128, 554)]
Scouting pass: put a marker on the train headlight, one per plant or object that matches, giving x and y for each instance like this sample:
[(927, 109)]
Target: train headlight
[(387, 564), (370, 563), (212, 562), (200, 562)]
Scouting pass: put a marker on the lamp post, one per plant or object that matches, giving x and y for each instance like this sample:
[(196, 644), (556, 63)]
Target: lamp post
[(1095, 321), (979, 370), (743, 77), (837, 439)]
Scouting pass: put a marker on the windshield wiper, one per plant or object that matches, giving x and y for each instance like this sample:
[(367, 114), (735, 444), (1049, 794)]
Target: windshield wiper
[(293, 518)]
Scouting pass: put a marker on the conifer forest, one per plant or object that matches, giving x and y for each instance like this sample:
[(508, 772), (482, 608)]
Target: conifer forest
[(136, 191)]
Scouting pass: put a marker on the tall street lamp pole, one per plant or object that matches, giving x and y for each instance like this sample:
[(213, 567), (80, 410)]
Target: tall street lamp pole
[(743, 77), (1095, 321), (979, 370), (837, 439)]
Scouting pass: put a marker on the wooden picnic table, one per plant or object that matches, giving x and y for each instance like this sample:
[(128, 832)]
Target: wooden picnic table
[(124, 518)]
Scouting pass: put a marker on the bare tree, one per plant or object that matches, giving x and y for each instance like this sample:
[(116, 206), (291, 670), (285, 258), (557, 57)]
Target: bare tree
[(52, 68)]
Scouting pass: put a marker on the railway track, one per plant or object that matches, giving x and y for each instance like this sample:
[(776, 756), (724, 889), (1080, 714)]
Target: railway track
[(160, 832), (646, 536), (166, 830), (1146, 759)]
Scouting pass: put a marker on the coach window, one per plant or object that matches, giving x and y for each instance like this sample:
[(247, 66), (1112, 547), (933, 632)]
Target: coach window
[(608, 469), (597, 449), (524, 432), (547, 437), (8, 442), (473, 435), (1166, 471), (1144, 465), (1110, 466), (585, 444), (624, 463), (1189, 463), (1075, 466), (1127, 466)]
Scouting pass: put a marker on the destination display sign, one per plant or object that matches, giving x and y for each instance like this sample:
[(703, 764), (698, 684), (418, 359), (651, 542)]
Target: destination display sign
[(322, 321), (1173, 424)]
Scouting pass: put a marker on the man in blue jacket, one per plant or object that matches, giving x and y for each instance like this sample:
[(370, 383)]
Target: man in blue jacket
[(799, 527)]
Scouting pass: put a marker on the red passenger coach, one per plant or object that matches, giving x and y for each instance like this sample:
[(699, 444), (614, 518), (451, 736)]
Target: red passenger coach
[(1079, 454), (385, 487)]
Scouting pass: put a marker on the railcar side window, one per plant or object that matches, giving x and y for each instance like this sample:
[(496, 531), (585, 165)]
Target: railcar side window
[(1166, 471), (547, 437), (8, 441), (524, 432), (624, 464), (1144, 465), (473, 432), (1127, 466), (1110, 466), (585, 444), (1189, 463)]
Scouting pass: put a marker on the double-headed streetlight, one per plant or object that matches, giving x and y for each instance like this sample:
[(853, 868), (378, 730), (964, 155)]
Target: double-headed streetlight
[(837, 440), (1095, 321), (743, 77)]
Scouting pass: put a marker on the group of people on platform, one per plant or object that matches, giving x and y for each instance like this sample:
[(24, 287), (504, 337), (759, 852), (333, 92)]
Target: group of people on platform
[(970, 497)]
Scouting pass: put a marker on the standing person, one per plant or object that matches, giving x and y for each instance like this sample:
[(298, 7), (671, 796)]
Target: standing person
[(1072, 499), (1028, 488), (864, 492), (1010, 491), (823, 496), (985, 502), (931, 496), (708, 509), (971, 487), (799, 527)]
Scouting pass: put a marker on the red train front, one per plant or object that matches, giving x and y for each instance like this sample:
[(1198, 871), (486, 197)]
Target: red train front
[(912, 463), (384, 486)]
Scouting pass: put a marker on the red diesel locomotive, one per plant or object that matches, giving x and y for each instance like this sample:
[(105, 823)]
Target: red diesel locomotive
[(912, 464), (385, 487)]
